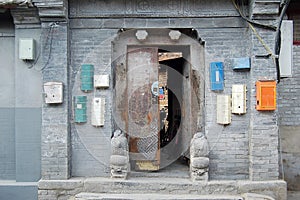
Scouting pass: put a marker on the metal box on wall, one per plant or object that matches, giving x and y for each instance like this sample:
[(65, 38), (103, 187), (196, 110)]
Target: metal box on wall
[(86, 77), (80, 109), (216, 76), (53, 92), (27, 48), (286, 54), (266, 95), (101, 81), (98, 111), (241, 63), (238, 99), (223, 109)]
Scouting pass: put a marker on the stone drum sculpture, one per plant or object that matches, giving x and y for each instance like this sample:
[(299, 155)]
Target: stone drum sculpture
[(119, 159), (199, 160)]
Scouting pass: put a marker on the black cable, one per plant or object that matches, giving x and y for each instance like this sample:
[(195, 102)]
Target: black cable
[(50, 45), (269, 27), (277, 34)]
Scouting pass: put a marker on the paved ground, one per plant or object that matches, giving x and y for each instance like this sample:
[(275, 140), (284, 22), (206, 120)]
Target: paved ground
[(293, 195)]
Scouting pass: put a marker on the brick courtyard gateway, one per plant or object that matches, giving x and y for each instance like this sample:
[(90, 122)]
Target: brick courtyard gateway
[(120, 47), (108, 55), (167, 117)]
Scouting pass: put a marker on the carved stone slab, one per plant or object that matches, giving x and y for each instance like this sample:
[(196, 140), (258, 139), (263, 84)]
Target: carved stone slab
[(151, 8)]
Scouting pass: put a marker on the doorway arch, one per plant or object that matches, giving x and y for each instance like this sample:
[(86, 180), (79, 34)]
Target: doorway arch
[(137, 107)]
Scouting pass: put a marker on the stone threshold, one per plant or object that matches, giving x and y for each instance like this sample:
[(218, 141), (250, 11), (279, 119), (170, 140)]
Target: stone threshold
[(98, 196), (165, 186)]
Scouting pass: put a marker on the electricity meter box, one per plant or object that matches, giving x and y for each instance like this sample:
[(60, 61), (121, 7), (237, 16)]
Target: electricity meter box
[(86, 77), (266, 95), (238, 99), (216, 76), (27, 48), (101, 81), (80, 109), (223, 109), (53, 92), (98, 111)]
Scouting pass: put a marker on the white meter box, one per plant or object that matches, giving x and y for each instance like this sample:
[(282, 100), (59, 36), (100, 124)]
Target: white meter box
[(53, 92), (98, 111), (239, 99), (27, 48), (286, 55), (101, 81), (223, 109)]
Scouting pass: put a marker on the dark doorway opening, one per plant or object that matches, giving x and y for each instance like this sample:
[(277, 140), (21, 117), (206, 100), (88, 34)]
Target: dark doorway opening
[(172, 66), (170, 95)]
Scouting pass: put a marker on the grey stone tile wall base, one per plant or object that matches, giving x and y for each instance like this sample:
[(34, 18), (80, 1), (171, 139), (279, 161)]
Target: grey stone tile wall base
[(11, 190)]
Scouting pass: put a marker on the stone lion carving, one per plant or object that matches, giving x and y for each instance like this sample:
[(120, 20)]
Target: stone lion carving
[(199, 157), (119, 159)]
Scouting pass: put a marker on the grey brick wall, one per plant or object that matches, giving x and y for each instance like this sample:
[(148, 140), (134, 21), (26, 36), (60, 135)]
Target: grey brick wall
[(230, 149), (289, 94), (89, 42), (229, 144), (263, 124), (289, 113), (232, 156), (55, 155), (91, 145)]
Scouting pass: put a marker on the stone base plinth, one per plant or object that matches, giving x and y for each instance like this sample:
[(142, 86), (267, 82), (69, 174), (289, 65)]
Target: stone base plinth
[(66, 189)]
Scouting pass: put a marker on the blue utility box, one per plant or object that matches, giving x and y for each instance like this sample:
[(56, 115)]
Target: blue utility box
[(216, 76), (241, 64)]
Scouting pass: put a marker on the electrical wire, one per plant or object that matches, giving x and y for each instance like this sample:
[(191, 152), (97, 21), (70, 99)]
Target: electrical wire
[(275, 57), (50, 32), (251, 25), (265, 26), (33, 63), (277, 51), (278, 37)]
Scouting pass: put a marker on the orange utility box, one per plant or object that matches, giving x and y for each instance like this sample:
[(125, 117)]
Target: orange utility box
[(266, 95)]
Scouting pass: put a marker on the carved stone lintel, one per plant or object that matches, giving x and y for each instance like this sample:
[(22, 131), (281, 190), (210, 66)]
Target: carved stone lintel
[(265, 9), (56, 10), (25, 16), (16, 3), (199, 161), (119, 159), (31, 13)]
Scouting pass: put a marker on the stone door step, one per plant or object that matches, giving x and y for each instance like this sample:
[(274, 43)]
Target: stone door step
[(105, 196)]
